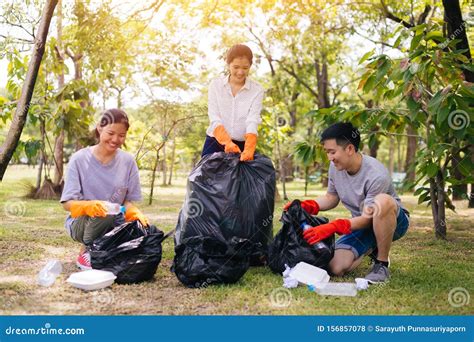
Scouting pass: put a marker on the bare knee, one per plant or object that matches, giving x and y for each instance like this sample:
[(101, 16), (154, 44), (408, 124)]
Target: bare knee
[(337, 269), (385, 205), (341, 262)]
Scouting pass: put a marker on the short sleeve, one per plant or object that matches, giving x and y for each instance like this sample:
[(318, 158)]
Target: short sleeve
[(379, 185), (134, 192), (331, 186), (72, 185)]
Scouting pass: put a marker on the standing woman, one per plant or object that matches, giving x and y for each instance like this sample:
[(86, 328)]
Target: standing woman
[(98, 173), (234, 106)]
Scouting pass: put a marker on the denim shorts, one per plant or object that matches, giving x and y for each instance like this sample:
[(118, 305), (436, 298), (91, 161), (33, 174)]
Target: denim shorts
[(360, 241)]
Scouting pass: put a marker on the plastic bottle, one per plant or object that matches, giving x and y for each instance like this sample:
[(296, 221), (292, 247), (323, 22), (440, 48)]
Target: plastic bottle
[(48, 274), (334, 289), (113, 208), (304, 225)]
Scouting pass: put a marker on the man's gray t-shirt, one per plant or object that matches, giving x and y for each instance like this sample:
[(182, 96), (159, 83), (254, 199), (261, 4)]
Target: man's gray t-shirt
[(88, 179), (359, 190)]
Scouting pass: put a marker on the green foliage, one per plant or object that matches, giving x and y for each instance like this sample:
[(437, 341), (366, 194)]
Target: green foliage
[(429, 80)]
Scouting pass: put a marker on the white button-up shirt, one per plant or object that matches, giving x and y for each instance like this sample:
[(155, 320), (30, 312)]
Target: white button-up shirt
[(240, 114)]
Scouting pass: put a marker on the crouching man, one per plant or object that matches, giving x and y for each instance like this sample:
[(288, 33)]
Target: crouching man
[(365, 188)]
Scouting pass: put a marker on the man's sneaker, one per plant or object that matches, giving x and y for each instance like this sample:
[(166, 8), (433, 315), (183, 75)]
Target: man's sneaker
[(378, 274), (84, 261)]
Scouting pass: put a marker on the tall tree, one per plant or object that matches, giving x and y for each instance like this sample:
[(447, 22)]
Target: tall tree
[(16, 128)]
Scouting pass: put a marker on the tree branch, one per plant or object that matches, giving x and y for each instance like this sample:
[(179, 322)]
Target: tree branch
[(391, 16)]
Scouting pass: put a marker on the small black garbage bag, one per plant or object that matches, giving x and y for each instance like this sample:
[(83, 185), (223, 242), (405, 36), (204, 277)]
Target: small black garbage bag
[(226, 220), (290, 248), (130, 251)]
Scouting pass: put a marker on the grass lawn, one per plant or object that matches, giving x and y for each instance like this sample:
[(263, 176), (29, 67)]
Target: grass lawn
[(424, 270)]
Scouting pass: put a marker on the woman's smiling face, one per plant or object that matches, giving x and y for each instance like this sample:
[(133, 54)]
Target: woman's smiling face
[(239, 68), (112, 136)]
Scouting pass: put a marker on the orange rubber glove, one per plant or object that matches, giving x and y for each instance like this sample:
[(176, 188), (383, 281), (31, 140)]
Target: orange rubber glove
[(223, 138), (310, 206), (250, 145), (132, 213), (88, 208), (316, 234)]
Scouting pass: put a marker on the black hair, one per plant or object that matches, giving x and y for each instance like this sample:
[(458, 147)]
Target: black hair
[(112, 116), (239, 50), (344, 133)]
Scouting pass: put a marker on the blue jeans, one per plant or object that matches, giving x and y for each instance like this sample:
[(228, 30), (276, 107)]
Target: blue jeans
[(360, 241), (211, 145)]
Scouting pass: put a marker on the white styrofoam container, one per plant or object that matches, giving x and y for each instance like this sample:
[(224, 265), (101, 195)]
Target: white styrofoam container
[(91, 279), (309, 274)]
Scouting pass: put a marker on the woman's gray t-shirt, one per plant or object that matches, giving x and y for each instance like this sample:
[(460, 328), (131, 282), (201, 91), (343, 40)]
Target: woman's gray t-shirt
[(359, 190), (88, 179)]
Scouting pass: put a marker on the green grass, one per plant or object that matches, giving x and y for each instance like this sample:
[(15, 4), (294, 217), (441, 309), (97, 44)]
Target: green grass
[(424, 269)]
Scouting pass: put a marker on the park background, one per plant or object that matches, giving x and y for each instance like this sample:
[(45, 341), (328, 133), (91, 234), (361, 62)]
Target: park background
[(401, 72)]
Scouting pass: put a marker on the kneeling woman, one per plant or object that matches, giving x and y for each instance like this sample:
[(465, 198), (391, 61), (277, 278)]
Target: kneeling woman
[(98, 173)]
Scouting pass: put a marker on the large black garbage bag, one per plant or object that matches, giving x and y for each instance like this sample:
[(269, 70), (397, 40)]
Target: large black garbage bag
[(290, 248), (130, 251), (226, 219)]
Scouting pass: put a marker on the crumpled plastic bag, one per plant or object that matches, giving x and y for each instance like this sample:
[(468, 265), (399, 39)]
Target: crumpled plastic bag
[(130, 251), (289, 247)]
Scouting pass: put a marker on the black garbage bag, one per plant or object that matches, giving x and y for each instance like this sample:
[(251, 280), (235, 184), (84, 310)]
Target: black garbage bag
[(290, 248), (130, 251), (226, 220)]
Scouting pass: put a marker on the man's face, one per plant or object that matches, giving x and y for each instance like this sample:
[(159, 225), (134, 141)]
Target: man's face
[(339, 155)]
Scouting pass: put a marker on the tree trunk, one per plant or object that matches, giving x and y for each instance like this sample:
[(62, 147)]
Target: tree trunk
[(410, 156), (374, 149), (471, 194), (163, 165), (172, 162), (59, 143), (39, 175), (459, 191), (306, 180), (153, 176), (391, 155), (399, 155), (21, 112), (457, 30), (281, 162), (58, 159), (322, 82), (440, 227)]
